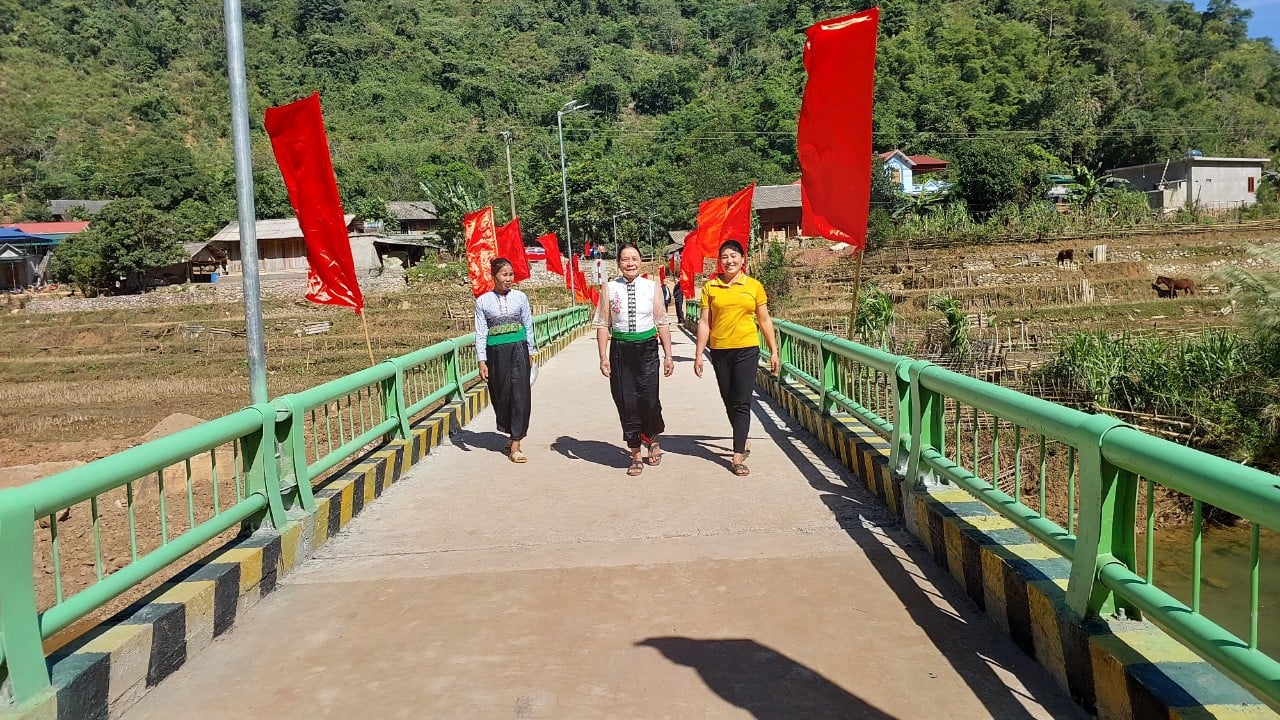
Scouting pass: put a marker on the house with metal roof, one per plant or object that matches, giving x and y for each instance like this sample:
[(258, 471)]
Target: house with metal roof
[(905, 171), (416, 217), (280, 244), (62, 210), (778, 210), (1206, 183)]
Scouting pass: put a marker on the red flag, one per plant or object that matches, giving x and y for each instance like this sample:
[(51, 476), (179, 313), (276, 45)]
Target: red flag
[(834, 140), (511, 247), (690, 262), (662, 275), (482, 246), (302, 152), (551, 244)]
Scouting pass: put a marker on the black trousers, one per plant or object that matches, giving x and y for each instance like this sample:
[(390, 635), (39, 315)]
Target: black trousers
[(509, 387), (633, 381), (736, 375)]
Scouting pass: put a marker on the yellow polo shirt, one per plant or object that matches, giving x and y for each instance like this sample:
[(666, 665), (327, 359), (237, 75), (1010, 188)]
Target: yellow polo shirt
[(732, 308)]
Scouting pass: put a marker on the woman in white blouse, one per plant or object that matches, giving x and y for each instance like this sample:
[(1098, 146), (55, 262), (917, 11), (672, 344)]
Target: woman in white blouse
[(629, 322)]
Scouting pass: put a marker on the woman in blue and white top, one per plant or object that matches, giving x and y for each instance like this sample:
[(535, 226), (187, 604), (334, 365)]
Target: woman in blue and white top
[(629, 322), (504, 351)]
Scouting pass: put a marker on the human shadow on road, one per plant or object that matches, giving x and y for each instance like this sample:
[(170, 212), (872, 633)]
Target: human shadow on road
[(468, 440), (593, 451), (963, 636), (712, 448), (763, 681)]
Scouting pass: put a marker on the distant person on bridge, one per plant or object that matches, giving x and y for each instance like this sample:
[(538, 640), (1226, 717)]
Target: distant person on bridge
[(630, 321), (734, 305), (504, 351)]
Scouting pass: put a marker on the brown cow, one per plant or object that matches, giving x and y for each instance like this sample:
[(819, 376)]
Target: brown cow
[(1066, 256), (1186, 285)]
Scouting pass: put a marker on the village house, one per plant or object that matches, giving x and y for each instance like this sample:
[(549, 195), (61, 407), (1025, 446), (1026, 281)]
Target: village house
[(25, 249), (778, 210), (280, 244), (905, 171), (416, 217), (1205, 183), (68, 210)]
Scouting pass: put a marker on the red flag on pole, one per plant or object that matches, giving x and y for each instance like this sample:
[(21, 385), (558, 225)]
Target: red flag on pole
[(690, 262), (302, 152), (719, 219), (482, 246), (511, 247), (834, 140), (551, 244)]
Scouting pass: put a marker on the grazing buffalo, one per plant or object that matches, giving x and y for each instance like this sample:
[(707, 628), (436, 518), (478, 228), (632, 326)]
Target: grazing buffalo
[(1162, 290), (1176, 285), (1067, 256)]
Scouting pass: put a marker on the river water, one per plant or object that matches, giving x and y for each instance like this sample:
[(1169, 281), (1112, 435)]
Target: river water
[(1225, 573)]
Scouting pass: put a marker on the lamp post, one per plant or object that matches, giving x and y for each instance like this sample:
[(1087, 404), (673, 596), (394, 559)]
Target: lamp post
[(571, 106), (511, 183), (620, 213)]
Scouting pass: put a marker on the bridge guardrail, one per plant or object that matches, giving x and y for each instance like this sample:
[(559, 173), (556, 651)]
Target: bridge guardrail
[(229, 473), (950, 427)]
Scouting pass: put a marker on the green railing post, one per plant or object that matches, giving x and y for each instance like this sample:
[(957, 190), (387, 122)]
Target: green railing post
[(291, 432), (784, 354), (260, 470), (829, 361), (20, 639), (453, 372), (902, 417), (1105, 531), (925, 428), (393, 405)]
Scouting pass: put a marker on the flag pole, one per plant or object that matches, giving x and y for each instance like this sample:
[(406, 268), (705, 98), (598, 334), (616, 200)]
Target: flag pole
[(857, 286), (367, 342)]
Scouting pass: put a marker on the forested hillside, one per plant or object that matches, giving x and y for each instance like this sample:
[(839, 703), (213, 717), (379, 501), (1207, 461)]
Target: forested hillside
[(692, 98)]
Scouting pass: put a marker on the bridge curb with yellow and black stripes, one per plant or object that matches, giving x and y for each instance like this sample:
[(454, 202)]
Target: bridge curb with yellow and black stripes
[(1114, 669), (106, 670)]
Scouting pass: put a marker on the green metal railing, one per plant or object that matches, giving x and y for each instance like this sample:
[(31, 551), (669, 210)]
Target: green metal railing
[(1007, 449), (223, 475)]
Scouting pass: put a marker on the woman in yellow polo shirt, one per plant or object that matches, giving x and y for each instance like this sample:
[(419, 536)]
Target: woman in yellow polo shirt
[(734, 305)]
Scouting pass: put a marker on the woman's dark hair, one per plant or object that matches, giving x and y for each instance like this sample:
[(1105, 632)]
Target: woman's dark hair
[(630, 245), (496, 265), (733, 245)]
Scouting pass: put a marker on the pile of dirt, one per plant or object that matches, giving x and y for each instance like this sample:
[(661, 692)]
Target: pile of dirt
[(169, 426), (16, 475)]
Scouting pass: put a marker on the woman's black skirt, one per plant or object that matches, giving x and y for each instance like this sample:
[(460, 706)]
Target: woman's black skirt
[(633, 381), (509, 387)]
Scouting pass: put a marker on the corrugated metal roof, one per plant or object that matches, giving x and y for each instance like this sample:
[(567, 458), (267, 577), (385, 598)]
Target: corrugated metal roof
[(412, 210), (51, 228), (768, 197), (63, 207), (274, 229)]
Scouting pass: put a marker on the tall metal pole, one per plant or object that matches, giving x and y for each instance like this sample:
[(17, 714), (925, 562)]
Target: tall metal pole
[(615, 232), (511, 183), (564, 183), (244, 201)]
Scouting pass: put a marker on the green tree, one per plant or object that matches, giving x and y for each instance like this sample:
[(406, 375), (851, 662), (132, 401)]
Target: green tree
[(988, 175), (128, 238)]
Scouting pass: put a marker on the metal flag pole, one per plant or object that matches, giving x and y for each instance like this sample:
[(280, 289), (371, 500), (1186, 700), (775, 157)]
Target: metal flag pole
[(511, 183), (244, 202)]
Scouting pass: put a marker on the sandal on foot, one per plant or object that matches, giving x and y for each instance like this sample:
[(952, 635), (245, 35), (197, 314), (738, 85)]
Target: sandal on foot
[(740, 470), (517, 457), (654, 458), (635, 468)]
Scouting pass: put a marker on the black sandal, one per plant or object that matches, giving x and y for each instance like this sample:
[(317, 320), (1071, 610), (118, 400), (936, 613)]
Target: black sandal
[(740, 470), (635, 468)]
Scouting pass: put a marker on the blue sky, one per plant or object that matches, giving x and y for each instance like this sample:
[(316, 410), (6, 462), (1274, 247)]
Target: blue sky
[(1266, 17)]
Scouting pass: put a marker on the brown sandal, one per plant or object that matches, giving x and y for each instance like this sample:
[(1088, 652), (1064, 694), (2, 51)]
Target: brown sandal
[(654, 459), (740, 470), (635, 468)]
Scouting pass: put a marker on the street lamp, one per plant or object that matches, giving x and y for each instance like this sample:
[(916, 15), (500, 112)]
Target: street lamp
[(620, 213), (571, 106), (511, 183)]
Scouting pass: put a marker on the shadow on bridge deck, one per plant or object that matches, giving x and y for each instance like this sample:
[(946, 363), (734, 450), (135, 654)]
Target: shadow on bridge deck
[(563, 588)]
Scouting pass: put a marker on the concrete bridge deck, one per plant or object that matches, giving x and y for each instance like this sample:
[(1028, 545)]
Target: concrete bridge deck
[(564, 589)]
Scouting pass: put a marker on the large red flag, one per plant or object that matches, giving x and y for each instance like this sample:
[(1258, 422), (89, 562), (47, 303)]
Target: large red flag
[(690, 262), (834, 140), (482, 246), (302, 152), (551, 244), (511, 247)]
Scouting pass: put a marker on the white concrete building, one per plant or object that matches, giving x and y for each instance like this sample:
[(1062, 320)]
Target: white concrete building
[(1206, 183)]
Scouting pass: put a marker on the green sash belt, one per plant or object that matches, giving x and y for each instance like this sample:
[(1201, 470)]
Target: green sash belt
[(506, 338), (634, 336)]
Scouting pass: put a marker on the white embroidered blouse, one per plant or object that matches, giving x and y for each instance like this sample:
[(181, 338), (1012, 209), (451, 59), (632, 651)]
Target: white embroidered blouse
[(630, 307)]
